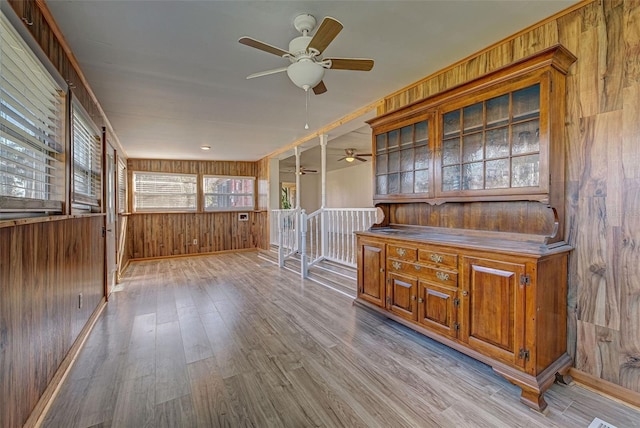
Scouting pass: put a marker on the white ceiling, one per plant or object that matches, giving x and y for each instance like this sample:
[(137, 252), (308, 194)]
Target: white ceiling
[(170, 75)]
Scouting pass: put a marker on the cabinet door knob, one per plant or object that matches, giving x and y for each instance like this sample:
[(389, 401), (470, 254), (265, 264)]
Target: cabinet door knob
[(465, 293), (420, 300), (381, 270), (413, 297)]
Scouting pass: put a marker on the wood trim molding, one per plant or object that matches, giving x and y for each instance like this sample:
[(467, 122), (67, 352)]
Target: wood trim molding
[(45, 219), (604, 387), (40, 410)]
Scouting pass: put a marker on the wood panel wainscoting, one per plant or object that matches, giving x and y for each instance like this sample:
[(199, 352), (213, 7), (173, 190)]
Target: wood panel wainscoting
[(602, 172), (51, 282), (151, 235)]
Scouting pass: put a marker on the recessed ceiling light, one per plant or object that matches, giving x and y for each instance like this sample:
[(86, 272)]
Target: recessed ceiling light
[(205, 147)]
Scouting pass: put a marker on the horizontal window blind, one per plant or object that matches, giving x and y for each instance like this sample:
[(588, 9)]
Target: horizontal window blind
[(154, 191), (222, 193), (122, 186), (31, 131), (87, 158)]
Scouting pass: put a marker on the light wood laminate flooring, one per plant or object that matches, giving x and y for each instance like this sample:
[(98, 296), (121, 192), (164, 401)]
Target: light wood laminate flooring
[(231, 340)]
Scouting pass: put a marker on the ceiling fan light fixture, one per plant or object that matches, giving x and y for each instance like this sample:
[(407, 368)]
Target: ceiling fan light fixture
[(305, 74), (349, 158), (205, 147)]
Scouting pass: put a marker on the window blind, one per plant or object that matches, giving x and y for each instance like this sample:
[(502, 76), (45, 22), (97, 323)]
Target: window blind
[(223, 193), (122, 186), (154, 191), (87, 154), (31, 131)]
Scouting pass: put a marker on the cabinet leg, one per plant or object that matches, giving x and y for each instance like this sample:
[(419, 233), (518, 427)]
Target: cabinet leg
[(533, 399)]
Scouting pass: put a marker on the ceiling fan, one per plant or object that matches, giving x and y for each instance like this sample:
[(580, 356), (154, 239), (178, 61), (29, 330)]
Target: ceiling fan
[(351, 155), (304, 171), (307, 67)]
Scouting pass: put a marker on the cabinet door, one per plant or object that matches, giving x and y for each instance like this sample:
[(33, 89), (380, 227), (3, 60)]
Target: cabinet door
[(493, 308), (371, 286), (437, 308), (402, 296)]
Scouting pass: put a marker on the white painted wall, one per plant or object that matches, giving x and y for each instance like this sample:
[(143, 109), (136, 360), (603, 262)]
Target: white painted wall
[(350, 187)]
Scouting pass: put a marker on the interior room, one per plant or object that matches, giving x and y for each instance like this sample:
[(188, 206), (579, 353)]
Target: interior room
[(319, 213)]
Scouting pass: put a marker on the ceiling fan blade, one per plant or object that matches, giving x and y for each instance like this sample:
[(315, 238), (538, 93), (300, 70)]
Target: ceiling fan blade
[(358, 64), (364, 154), (248, 41), (267, 72), (342, 158), (328, 30), (360, 159), (320, 88)]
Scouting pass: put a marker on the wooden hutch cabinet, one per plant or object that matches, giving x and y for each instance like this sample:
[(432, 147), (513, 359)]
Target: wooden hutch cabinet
[(471, 250)]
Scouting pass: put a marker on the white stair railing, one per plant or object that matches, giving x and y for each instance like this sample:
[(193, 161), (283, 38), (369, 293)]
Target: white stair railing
[(286, 223), (325, 234)]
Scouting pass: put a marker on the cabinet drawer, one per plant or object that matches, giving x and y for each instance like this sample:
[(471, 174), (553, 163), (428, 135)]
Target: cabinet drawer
[(428, 273), (403, 253), (438, 258)]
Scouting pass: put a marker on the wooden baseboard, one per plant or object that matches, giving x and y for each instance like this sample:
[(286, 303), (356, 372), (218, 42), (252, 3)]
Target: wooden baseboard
[(239, 250), (40, 410), (606, 388)]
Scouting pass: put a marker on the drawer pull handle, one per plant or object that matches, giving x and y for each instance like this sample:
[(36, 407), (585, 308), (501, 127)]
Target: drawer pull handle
[(417, 267), (442, 276), (396, 265), (401, 252), (436, 258)]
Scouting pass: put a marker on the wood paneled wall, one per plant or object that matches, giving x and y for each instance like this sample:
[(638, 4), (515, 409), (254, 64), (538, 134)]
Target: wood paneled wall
[(170, 234), (44, 267), (602, 137)]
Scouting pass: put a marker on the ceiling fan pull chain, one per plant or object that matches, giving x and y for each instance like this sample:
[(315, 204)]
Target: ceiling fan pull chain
[(306, 108)]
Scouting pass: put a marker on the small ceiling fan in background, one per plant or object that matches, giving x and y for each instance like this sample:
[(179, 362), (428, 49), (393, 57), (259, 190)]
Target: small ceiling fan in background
[(302, 171), (351, 155), (307, 67)]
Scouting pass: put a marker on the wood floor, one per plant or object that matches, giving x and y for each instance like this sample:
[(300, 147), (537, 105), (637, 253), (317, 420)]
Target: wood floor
[(231, 340)]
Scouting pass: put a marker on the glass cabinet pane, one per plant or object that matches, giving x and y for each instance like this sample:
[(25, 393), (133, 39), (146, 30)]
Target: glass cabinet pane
[(422, 134), (422, 157), (451, 178), (472, 147), (406, 135), (394, 161), (406, 160), (381, 164), (381, 185), (451, 122), (526, 103), (473, 176), (472, 117), (525, 171), (393, 139), (497, 174), (421, 181), (498, 111), (451, 151), (406, 182), (393, 183), (526, 137), (497, 143), (381, 142)]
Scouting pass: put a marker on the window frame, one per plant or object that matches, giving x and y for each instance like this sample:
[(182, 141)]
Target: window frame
[(32, 142), (135, 192), (122, 187), (94, 156), (252, 194)]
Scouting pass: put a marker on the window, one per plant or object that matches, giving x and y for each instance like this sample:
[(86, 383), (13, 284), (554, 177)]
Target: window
[(122, 186), (228, 193), (31, 131), (87, 151), (153, 191)]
